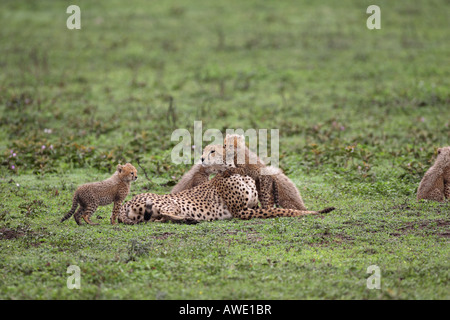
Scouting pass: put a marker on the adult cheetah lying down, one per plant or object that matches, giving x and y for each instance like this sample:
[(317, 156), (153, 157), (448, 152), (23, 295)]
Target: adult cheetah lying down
[(229, 194)]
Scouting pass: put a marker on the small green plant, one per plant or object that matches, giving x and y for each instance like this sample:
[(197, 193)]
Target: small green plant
[(32, 208), (136, 249)]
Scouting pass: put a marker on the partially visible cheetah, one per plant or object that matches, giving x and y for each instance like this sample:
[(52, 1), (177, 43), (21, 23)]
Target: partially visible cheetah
[(229, 194), (435, 184), (91, 195), (197, 175)]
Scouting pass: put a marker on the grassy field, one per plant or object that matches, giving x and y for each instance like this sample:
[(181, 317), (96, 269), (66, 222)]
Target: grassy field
[(360, 115)]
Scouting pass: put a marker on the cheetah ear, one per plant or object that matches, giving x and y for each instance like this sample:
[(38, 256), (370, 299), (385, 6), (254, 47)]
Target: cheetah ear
[(119, 168)]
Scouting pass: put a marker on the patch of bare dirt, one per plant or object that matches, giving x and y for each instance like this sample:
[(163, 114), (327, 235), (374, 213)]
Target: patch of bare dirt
[(8, 234), (328, 238), (164, 235), (427, 225)]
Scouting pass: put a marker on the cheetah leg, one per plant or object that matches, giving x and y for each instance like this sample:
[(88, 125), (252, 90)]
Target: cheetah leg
[(447, 190), (177, 219), (172, 213), (265, 186), (436, 195), (88, 213), (115, 212), (272, 195), (276, 212), (78, 214), (275, 193)]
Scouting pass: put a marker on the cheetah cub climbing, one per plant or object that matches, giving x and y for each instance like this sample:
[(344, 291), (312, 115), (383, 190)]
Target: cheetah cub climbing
[(288, 195), (435, 184), (227, 156), (274, 187), (91, 195)]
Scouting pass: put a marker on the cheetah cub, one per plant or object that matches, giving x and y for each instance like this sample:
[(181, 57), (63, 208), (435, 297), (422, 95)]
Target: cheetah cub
[(288, 195), (435, 184), (262, 175), (197, 175), (91, 195)]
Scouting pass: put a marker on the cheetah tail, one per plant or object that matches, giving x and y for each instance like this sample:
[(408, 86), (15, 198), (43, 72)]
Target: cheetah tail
[(326, 210), (72, 210)]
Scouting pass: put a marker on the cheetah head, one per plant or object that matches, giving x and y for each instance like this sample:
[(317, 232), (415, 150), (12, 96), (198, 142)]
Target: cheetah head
[(214, 155), (127, 172), (443, 156), (235, 147), (234, 141)]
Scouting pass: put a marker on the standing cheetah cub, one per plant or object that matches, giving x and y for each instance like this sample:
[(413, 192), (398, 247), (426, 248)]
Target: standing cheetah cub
[(91, 195), (435, 184)]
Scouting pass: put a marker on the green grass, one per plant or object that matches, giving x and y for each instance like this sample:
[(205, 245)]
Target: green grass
[(360, 113)]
